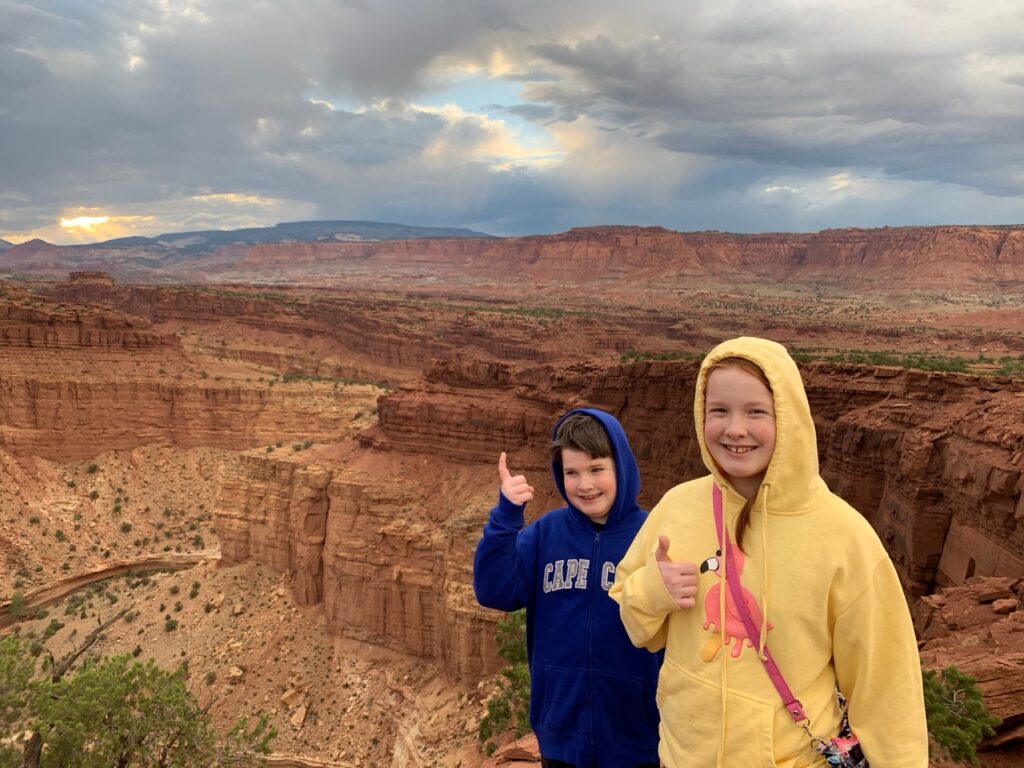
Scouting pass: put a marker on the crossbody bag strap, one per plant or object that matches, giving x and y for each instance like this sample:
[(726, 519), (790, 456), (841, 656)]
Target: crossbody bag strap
[(732, 578)]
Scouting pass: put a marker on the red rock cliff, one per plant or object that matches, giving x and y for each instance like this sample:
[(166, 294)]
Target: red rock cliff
[(947, 258)]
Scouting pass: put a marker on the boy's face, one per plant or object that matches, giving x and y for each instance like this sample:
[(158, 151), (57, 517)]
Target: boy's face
[(589, 483)]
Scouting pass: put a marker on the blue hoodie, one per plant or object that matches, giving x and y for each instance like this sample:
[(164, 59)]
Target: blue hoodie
[(592, 692)]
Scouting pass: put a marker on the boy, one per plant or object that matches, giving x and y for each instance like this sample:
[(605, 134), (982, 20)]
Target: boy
[(592, 692)]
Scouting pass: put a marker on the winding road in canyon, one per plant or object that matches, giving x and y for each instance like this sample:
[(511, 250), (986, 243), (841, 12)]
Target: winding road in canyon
[(52, 593)]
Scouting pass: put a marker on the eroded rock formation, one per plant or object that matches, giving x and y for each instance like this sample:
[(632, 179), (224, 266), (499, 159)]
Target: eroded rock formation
[(922, 257), (69, 419), (64, 327), (979, 628)]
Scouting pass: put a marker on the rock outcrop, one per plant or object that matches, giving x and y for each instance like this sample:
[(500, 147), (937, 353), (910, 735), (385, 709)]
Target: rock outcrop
[(380, 546), (978, 627), (64, 327), (69, 419), (920, 257)]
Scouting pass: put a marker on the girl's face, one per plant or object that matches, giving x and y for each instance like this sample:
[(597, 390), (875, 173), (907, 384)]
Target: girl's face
[(739, 426)]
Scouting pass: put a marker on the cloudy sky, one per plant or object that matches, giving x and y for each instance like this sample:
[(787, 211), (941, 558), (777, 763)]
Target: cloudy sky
[(513, 117)]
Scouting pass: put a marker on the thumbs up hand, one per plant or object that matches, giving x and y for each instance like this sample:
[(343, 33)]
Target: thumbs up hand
[(513, 487), (680, 578)]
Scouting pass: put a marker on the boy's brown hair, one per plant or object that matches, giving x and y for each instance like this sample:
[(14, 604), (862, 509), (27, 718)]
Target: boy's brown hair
[(581, 432)]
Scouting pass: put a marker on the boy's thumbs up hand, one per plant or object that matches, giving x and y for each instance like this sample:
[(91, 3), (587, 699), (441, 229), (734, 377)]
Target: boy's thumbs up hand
[(680, 578), (513, 487)]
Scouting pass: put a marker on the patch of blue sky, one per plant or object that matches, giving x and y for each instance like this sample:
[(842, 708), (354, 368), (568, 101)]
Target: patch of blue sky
[(496, 97)]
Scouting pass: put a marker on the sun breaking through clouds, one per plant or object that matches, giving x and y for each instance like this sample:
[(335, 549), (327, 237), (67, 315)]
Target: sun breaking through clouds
[(88, 223)]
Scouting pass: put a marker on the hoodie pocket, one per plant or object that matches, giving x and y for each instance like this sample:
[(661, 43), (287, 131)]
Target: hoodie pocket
[(624, 712), (691, 711), (565, 700)]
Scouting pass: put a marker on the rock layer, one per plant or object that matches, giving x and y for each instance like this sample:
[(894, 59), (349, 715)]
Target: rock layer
[(919, 257)]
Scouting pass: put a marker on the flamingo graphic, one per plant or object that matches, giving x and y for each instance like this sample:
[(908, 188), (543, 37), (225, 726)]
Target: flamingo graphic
[(733, 624)]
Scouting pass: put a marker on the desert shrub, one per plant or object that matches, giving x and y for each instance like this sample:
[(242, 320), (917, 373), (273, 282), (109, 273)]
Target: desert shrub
[(957, 717), (509, 708), (92, 469), (52, 628), (17, 608)]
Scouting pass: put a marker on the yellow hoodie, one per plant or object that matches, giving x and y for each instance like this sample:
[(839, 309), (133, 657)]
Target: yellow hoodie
[(821, 582)]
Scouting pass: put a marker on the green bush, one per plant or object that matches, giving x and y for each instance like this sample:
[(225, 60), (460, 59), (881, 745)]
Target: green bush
[(17, 607), (957, 717), (509, 709)]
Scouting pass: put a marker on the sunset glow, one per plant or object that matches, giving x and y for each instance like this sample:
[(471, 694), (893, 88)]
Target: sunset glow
[(87, 223)]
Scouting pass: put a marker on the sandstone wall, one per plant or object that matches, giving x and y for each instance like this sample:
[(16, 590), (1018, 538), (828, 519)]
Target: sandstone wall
[(56, 327), (365, 337), (68, 420), (275, 511), (389, 570), (921, 257), (918, 257)]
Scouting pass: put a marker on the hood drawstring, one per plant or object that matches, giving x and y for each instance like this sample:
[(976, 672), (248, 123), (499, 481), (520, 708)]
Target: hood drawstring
[(724, 675), (764, 574)]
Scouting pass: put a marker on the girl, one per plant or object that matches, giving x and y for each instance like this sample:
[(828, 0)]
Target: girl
[(812, 575)]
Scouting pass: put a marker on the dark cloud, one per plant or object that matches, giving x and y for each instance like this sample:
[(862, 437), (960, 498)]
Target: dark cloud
[(540, 113), (20, 71)]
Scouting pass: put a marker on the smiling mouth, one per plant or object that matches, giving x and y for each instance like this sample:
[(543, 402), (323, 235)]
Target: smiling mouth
[(588, 498), (739, 449)]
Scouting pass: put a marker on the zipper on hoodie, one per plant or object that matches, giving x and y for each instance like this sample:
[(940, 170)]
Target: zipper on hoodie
[(595, 586)]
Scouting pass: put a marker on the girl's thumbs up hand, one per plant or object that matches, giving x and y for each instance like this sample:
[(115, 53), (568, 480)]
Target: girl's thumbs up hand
[(680, 578)]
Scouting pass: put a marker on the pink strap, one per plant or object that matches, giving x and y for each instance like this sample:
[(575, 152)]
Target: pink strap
[(793, 705)]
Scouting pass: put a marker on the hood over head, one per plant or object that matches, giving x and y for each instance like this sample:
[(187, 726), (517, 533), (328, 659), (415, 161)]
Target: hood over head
[(793, 470), (627, 473)]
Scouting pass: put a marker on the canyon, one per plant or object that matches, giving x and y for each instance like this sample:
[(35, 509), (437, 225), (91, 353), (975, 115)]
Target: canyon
[(330, 416)]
